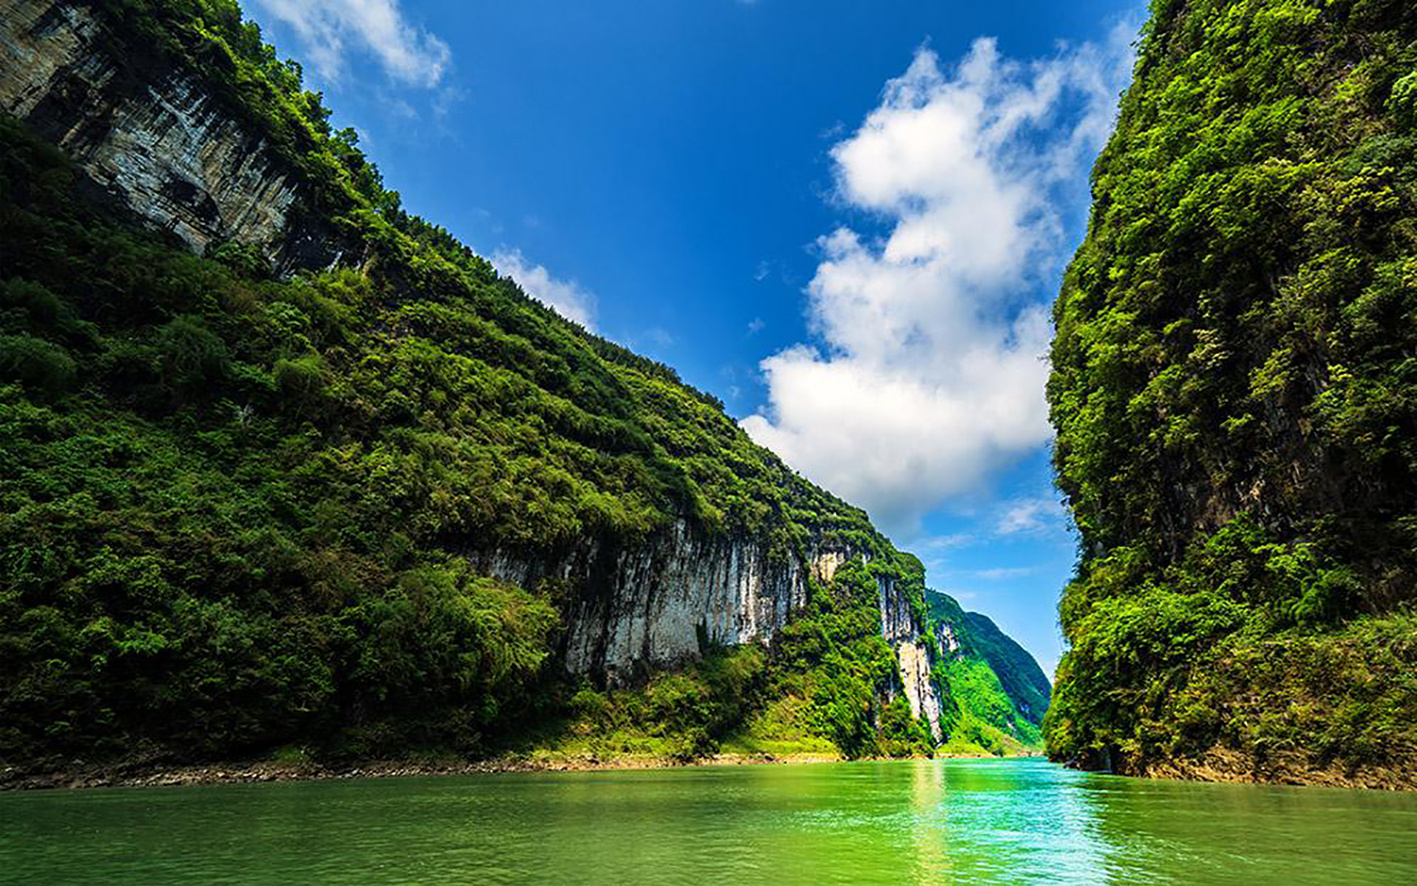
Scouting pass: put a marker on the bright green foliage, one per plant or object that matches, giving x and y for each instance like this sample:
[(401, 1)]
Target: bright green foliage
[(236, 512), (978, 692), (834, 656), (1235, 392), (1019, 674), (994, 698), (682, 715)]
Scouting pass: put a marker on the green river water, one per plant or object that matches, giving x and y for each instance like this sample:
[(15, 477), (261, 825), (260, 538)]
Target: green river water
[(947, 821)]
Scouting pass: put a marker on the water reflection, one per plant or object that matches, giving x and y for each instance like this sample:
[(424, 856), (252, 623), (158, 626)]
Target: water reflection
[(958, 821), (1018, 822), (931, 831), (1249, 833)]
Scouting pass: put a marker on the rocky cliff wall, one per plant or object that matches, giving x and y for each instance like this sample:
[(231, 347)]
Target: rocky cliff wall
[(662, 601), (920, 691), (902, 630), (154, 141)]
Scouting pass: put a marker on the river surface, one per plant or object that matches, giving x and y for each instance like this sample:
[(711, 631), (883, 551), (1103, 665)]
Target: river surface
[(943, 821)]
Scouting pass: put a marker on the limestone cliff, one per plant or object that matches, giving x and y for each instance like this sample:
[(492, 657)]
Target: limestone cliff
[(662, 601), (903, 630), (154, 139)]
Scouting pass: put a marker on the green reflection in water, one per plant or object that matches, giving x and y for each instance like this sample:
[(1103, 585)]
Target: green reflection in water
[(957, 821)]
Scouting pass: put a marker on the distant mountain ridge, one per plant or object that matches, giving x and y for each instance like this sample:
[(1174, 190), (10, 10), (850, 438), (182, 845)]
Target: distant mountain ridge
[(1019, 672), (997, 691)]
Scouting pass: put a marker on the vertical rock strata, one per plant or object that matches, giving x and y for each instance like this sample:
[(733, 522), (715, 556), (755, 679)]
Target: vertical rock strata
[(660, 602), (902, 631), (155, 143)]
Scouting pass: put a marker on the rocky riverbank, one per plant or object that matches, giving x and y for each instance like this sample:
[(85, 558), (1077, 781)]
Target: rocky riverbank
[(1228, 765), (157, 775)]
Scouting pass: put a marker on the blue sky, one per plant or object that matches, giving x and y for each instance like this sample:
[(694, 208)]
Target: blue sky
[(845, 219)]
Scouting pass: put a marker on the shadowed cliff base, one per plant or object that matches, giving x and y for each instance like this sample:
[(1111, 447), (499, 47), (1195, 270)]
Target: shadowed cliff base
[(1332, 709), (254, 772)]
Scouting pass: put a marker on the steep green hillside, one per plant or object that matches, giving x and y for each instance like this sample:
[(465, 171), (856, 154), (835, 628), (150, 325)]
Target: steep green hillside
[(242, 511), (1235, 395), (993, 705), (1023, 680), (234, 508)]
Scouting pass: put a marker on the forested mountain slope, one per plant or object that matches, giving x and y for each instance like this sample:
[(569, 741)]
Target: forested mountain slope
[(285, 466), (1234, 390), (1019, 674), (997, 693)]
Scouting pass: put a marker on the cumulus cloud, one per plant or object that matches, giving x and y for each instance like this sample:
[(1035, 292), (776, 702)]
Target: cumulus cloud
[(331, 29), (928, 369), (566, 297)]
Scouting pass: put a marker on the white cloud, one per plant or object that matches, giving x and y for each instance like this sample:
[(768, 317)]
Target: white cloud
[(1001, 573), (331, 29), (1030, 515), (944, 542), (566, 297), (929, 371), (447, 98)]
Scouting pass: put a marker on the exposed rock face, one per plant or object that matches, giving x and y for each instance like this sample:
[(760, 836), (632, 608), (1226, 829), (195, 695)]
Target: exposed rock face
[(949, 643), (661, 601), (919, 690), (903, 632), (157, 144)]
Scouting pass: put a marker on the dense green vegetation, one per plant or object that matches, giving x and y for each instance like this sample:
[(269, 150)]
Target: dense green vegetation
[(994, 704), (1235, 395), (238, 513), (233, 508), (1019, 674)]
